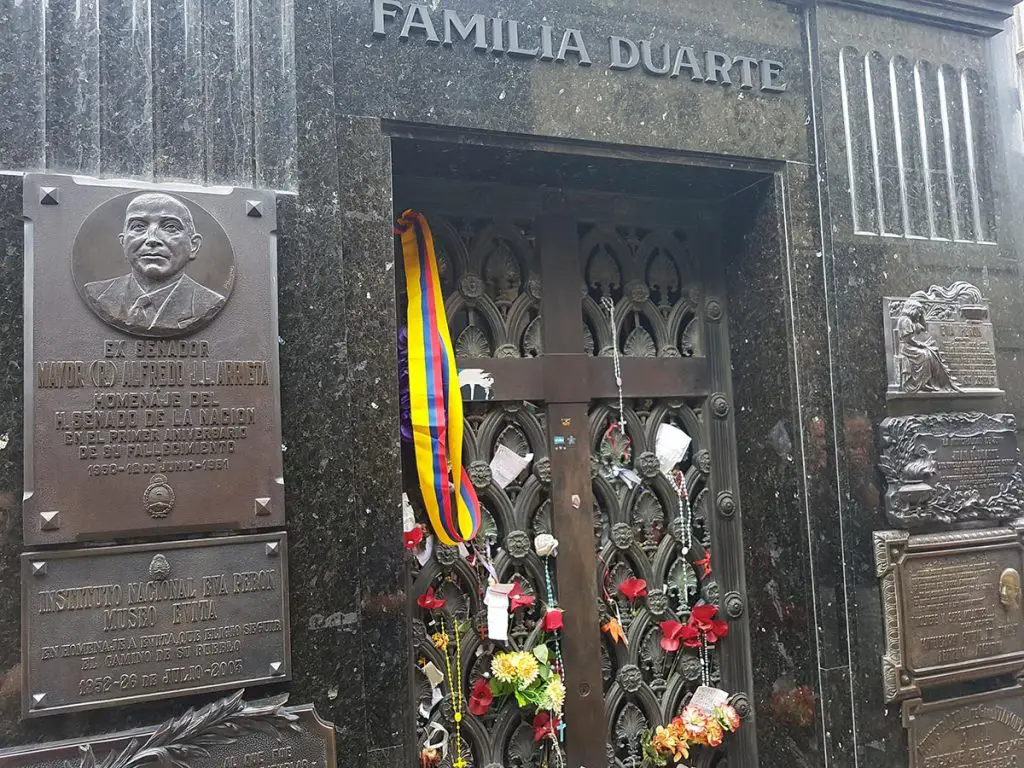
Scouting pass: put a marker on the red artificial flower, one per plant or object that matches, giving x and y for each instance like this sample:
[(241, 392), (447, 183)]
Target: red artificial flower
[(428, 602), (705, 563), (544, 725), (414, 537), (702, 619), (631, 589), (552, 621), (671, 634), (481, 697), (690, 636), (516, 598)]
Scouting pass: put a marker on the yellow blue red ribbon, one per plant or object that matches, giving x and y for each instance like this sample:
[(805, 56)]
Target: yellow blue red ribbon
[(434, 396)]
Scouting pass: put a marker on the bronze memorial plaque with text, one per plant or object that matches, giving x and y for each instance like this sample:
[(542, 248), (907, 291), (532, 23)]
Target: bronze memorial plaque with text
[(108, 626), (984, 730), (952, 607), (940, 343), (950, 468), (151, 366), (230, 733)]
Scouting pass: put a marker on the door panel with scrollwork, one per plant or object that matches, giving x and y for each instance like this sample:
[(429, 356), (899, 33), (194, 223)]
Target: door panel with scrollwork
[(647, 291)]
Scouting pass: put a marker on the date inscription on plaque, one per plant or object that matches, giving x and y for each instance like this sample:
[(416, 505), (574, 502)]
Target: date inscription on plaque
[(940, 343), (985, 730), (109, 626), (948, 468), (152, 401), (952, 607), (229, 733)]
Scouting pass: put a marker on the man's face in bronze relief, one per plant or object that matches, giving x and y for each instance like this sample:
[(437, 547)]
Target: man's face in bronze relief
[(159, 238)]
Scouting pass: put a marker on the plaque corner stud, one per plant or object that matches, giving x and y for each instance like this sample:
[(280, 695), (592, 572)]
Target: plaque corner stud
[(49, 195), (38, 700), (262, 506), (49, 521), (276, 668), (39, 567), (254, 209), (273, 548)]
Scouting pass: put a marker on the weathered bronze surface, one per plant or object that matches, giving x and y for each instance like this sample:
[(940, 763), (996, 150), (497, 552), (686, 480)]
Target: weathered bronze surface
[(112, 625), (151, 397), (952, 607), (950, 468), (940, 343), (230, 733), (985, 730)]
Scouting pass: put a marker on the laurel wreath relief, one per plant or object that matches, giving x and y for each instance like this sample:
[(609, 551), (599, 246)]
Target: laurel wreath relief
[(180, 740)]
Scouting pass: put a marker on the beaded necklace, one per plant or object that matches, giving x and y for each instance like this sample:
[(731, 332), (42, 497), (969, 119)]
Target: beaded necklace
[(455, 686)]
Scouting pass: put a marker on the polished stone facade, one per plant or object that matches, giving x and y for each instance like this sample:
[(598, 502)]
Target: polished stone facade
[(223, 97)]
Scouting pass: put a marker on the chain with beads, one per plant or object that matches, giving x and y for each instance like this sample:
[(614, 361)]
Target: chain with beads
[(455, 686)]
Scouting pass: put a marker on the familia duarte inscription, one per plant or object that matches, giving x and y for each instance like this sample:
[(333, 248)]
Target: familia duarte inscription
[(109, 626), (949, 468), (543, 42), (952, 607), (940, 343), (151, 360)]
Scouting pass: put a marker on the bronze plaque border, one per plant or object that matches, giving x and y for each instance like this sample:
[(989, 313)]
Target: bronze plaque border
[(28, 713), (248, 218), (899, 682), (916, 708), (68, 751)]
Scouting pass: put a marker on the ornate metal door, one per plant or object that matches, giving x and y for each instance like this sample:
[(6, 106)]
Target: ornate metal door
[(540, 292)]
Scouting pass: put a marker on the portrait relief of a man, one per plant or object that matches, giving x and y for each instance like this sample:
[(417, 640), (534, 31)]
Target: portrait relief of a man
[(155, 297)]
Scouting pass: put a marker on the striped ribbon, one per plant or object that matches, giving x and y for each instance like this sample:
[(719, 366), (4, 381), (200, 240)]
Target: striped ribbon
[(434, 396)]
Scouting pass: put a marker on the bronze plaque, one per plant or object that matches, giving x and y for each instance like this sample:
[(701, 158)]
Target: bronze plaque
[(985, 730), (230, 733), (151, 394), (952, 607), (108, 626), (940, 343), (951, 468)]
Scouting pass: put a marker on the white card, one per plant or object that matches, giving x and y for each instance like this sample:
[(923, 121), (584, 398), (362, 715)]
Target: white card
[(434, 675), (671, 445), (706, 698), (507, 464), (496, 600)]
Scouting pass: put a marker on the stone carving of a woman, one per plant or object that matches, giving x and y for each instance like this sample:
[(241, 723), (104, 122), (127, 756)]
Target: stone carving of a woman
[(923, 369)]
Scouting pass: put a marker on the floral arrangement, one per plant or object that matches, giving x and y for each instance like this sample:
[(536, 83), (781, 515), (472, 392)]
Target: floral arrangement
[(530, 677), (692, 728)]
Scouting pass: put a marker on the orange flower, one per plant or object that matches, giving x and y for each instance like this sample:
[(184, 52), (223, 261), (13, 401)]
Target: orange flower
[(714, 733), (695, 723), (614, 630)]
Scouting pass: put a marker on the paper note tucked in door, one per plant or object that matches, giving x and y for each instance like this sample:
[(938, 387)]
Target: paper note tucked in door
[(671, 446), (507, 464)]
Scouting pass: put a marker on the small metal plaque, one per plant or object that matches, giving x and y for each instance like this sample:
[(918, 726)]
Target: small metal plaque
[(952, 607), (948, 468), (109, 626), (985, 730), (151, 394), (229, 733), (940, 343)]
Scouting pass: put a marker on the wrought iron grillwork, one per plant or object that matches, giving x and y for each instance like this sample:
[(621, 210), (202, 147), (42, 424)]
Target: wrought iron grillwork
[(492, 262)]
